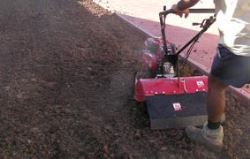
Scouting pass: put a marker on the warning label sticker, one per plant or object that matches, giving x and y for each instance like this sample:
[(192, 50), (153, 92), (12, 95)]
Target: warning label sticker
[(200, 84), (177, 107)]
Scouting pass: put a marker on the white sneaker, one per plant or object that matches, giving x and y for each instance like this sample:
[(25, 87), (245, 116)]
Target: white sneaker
[(212, 139)]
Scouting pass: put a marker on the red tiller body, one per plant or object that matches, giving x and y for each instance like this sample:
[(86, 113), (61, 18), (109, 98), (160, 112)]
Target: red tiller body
[(169, 86)]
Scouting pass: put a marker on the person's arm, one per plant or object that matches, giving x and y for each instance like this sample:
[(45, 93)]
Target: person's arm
[(182, 7)]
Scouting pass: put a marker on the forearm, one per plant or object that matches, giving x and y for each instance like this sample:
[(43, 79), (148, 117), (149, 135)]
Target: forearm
[(184, 4)]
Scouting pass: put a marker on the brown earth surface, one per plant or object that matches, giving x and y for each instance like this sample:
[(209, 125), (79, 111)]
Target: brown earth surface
[(66, 79)]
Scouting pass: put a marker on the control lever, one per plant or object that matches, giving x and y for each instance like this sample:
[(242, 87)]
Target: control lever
[(205, 22), (200, 24)]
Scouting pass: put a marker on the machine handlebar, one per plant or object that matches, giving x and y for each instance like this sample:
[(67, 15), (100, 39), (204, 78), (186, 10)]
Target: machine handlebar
[(198, 10), (206, 23)]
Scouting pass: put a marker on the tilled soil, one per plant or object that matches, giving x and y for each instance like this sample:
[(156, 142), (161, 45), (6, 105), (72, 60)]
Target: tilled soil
[(66, 79)]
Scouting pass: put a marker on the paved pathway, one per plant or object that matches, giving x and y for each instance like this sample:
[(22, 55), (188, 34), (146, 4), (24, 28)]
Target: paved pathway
[(144, 15)]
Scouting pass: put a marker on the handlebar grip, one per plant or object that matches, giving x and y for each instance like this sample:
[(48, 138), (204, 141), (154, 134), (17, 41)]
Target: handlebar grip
[(202, 10), (196, 23)]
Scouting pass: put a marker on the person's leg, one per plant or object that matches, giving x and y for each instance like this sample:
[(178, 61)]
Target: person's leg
[(227, 69), (215, 99), (212, 133)]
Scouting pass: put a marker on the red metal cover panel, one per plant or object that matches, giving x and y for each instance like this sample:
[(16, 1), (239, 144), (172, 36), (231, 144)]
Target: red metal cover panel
[(170, 86)]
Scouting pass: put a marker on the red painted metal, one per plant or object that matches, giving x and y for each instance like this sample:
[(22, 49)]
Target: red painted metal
[(169, 86), (152, 53), (150, 61)]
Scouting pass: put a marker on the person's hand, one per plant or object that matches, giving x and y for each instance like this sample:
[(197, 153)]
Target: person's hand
[(180, 12)]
